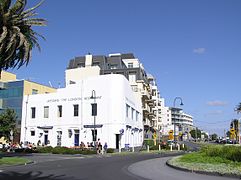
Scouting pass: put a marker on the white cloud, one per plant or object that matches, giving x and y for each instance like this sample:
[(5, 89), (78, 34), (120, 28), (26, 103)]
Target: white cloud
[(216, 103), (199, 50)]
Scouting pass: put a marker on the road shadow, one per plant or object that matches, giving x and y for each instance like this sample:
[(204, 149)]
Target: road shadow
[(32, 176)]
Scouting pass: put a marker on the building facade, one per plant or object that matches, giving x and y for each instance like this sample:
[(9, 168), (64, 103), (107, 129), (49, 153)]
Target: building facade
[(183, 123), (64, 118), (12, 91), (124, 64)]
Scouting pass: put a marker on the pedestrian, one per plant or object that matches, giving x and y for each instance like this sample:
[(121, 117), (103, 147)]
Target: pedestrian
[(105, 148), (99, 148)]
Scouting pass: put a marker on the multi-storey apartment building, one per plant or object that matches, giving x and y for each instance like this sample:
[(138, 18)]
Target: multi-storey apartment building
[(126, 65), (182, 122)]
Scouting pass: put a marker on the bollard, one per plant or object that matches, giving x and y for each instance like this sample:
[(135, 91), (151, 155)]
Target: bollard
[(171, 147), (159, 147), (183, 146), (133, 149), (178, 147), (148, 148)]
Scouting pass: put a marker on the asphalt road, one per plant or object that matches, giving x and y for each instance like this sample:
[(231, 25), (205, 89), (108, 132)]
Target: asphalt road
[(131, 167)]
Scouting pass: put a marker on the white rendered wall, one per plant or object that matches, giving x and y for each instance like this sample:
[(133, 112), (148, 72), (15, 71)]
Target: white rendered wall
[(113, 93)]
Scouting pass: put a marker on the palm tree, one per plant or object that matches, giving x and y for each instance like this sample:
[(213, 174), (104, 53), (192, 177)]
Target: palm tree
[(238, 108), (16, 36)]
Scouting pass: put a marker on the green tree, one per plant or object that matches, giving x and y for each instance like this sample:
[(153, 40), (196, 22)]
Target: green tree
[(7, 122), (238, 108), (193, 133), (214, 136), (17, 38)]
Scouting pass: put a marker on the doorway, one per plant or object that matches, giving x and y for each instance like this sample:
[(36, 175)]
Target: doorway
[(76, 139), (45, 139), (117, 141)]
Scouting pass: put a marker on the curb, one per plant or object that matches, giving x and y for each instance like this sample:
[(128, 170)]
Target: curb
[(202, 172), (24, 164)]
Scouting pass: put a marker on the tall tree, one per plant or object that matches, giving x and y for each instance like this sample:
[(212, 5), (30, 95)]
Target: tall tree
[(8, 122), (238, 108), (17, 38)]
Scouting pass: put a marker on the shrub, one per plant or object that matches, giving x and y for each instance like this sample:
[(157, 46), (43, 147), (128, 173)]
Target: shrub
[(47, 149), (149, 142), (63, 150), (232, 153), (110, 150)]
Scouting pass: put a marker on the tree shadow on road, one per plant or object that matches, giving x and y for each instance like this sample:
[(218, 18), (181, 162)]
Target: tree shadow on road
[(32, 176)]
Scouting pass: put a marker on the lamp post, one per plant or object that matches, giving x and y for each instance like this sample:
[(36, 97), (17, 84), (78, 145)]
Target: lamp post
[(94, 113), (174, 105)]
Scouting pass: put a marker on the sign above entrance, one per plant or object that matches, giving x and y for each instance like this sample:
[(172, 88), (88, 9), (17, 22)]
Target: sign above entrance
[(92, 126)]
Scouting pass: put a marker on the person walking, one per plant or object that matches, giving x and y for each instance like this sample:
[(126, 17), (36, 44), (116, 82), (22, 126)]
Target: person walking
[(105, 148)]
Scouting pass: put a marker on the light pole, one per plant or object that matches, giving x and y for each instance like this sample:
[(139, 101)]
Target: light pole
[(94, 113), (174, 123)]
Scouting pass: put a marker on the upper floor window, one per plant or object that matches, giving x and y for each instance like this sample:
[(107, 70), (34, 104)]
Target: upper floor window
[(33, 112), (59, 113), (132, 113), (113, 66), (81, 65), (34, 91), (96, 64), (127, 110), (76, 110), (32, 132), (130, 65), (137, 116), (46, 111)]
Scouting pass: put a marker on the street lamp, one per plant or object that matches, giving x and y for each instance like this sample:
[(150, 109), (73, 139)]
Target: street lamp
[(94, 113), (174, 105)]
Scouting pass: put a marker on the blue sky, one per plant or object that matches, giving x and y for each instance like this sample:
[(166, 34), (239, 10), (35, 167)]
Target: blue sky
[(193, 48)]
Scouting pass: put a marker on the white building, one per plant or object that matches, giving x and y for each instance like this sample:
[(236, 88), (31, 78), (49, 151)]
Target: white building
[(65, 118)]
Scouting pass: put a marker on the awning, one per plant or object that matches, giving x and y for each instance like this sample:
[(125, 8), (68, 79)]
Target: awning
[(45, 127)]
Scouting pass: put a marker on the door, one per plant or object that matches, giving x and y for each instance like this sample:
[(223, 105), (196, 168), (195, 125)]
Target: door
[(76, 139), (45, 139), (117, 141)]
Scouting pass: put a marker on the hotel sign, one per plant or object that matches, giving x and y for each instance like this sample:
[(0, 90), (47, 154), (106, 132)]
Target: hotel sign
[(70, 99)]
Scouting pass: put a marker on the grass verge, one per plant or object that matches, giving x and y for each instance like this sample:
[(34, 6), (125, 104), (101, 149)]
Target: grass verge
[(13, 161), (201, 162)]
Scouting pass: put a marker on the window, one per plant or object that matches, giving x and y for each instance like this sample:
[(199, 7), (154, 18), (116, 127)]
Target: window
[(76, 110), (34, 91), (113, 66), (132, 78), (81, 65), (32, 133), (132, 113), (59, 111), (46, 111), (33, 112), (96, 64), (130, 65), (127, 110), (137, 116)]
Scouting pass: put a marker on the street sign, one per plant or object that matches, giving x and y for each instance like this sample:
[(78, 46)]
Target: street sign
[(171, 137), (232, 131)]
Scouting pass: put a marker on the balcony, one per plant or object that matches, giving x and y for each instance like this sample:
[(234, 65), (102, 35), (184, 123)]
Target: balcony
[(145, 94)]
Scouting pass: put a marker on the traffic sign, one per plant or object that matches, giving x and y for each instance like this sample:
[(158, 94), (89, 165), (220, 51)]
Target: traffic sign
[(171, 137), (232, 131), (170, 132)]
